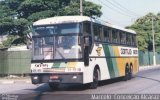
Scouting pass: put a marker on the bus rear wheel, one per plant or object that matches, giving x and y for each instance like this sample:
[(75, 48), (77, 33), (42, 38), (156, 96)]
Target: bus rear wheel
[(128, 72), (54, 86), (126, 77), (94, 84)]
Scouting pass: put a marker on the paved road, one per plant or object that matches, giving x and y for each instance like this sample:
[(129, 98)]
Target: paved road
[(146, 82)]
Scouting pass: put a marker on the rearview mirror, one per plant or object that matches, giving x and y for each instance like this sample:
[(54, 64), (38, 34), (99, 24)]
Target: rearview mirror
[(86, 41), (87, 44)]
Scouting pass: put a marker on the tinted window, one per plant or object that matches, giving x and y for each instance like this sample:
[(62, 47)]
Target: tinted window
[(87, 27), (96, 31), (123, 37), (107, 34), (115, 36), (133, 40), (56, 29), (129, 39)]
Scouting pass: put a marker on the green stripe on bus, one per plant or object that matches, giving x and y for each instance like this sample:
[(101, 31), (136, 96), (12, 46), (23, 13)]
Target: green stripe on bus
[(109, 61), (56, 65), (63, 64), (114, 62)]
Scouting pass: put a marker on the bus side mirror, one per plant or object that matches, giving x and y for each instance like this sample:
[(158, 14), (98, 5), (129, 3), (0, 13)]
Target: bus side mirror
[(86, 56), (86, 50), (86, 41)]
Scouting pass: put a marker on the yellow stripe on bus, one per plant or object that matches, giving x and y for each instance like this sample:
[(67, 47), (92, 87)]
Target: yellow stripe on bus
[(71, 64), (119, 61)]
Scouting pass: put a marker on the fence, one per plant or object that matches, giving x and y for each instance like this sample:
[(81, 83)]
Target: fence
[(146, 58), (18, 62), (15, 62)]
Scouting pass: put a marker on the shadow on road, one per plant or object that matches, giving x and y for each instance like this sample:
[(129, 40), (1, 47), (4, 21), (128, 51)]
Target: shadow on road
[(43, 92), (143, 73), (72, 87), (149, 78)]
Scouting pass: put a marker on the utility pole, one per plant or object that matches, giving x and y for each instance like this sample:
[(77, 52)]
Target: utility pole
[(154, 55), (81, 7)]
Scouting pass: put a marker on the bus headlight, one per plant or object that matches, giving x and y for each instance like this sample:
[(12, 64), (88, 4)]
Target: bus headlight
[(35, 77), (74, 77)]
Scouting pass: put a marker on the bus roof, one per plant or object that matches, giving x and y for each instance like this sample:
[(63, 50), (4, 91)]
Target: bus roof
[(76, 19)]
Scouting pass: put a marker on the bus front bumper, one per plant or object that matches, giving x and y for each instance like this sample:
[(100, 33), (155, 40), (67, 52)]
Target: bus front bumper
[(38, 78)]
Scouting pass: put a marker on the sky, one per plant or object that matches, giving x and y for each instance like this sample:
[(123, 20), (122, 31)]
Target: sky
[(125, 12)]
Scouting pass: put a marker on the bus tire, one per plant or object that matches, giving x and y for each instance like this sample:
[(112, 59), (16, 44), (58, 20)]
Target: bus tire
[(54, 86), (126, 77), (94, 84), (131, 71)]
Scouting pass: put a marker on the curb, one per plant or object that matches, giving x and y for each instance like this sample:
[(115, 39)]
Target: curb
[(141, 68), (14, 81), (6, 82)]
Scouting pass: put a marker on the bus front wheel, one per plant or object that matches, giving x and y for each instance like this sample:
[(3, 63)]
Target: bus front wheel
[(94, 84)]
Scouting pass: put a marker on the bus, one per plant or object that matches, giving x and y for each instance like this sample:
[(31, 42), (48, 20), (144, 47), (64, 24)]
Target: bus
[(81, 50)]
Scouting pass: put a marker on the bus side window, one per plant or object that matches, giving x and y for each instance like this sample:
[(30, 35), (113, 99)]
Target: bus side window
[(133, 40), (114, 36), (129, 39), (87, 27), (106, 34), (96, 31), (122, 37)]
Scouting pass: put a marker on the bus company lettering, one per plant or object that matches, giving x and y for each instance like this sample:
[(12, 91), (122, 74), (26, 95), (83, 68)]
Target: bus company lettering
[(126, 51), (41, 65), (135, 51)]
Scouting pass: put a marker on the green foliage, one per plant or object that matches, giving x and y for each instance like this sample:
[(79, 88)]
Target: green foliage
[(89, 9), (1, 45), (10, 39), (6, 25), (41, 15), (143, 27), (48, 8), (16, 16)]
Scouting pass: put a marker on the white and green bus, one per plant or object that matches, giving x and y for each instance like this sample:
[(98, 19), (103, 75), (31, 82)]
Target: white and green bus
[(82, 50)]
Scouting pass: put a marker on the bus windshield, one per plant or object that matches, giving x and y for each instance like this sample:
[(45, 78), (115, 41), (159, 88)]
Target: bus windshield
[(56, 29), (53, 42), (56, 47)]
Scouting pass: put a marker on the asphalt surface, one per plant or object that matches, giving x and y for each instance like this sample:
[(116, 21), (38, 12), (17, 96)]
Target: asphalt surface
[(146, 82)]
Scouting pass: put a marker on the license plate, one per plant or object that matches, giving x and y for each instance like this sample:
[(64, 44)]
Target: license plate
[(54, 81), (54, 77)]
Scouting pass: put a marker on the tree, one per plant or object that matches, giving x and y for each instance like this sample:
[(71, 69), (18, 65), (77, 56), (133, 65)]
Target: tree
[(143, 27), (17, 15), (38, 9), (89, 9)]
